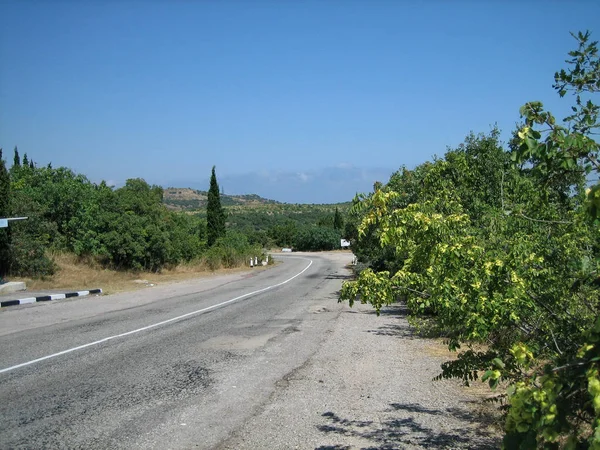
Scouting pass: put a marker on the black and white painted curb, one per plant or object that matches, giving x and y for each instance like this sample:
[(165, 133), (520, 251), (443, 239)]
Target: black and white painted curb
[(47, 298)]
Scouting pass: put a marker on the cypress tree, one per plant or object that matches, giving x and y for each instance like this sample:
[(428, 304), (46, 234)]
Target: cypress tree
[(215, 214), (25, 160), (17, 159), (4, 213), (338, 222)]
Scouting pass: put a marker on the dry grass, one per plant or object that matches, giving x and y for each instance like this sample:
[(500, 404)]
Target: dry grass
[(75, 274)]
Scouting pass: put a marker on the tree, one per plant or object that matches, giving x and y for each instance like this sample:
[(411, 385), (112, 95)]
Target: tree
[(17, 159), (25, 160), (4, 212), (317, 239), (284, 234), (215, 214), (508, 256), (338, 222)]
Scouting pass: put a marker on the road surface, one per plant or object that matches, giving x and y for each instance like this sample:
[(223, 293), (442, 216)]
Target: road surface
[(176, 371), (259, 360)]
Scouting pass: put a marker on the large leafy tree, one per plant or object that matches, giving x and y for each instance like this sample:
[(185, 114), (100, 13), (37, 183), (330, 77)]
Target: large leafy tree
[(317, 238), (130, 228), (505, 258), (215, 214)]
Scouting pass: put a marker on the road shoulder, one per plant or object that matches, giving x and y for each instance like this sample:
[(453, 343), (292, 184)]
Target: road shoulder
[(369, 386)]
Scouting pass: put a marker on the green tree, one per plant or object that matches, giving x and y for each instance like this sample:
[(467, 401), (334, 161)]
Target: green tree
[(4, 212), (60, 194), (338, 222), (25, 160), (284, 234), (215, 214), (16, 159), (507, 256), (317, 238)]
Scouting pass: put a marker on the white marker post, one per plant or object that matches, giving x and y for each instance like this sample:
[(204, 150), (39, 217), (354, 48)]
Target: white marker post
[(251, 261)]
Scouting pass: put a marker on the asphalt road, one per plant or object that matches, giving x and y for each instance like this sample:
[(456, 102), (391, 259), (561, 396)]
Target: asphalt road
[(170, 368)]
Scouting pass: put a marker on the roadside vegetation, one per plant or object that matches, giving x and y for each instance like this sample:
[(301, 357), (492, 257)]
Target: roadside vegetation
[(497, 249), (269, 223), (133, 229)]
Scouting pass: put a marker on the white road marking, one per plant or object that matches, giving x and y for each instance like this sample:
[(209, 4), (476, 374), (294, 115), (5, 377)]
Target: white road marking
[(148, 327)]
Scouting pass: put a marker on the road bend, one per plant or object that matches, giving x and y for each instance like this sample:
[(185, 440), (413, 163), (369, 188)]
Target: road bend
[(164, 368)]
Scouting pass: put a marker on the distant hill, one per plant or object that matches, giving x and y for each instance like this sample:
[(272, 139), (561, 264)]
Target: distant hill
[(186, 199), (253, 214)]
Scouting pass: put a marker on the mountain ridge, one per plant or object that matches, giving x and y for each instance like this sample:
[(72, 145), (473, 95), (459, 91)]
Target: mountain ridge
[(188, 199)]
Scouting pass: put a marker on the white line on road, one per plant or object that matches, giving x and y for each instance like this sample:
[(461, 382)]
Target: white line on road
[(164, 322)]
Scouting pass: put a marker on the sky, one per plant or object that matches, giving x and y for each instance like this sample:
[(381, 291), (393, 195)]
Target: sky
[(297, 101)]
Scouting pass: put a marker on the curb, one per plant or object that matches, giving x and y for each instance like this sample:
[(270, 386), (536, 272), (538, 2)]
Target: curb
[(46, 298)]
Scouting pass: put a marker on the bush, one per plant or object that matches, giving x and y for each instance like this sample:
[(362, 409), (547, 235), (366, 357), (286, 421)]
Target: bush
[(233, 250), (317, 238)]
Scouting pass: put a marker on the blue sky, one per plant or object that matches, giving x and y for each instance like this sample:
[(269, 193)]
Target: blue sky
[(298, 101)]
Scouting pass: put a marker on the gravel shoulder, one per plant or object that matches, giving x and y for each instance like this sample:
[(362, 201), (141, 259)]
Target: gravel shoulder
[(369, 386)]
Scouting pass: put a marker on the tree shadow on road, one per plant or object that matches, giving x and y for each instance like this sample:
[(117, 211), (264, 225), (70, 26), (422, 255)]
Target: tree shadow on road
[(414, 425), (400, 328), (395, 309)]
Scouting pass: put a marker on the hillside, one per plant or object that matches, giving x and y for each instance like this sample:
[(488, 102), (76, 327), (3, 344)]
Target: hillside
[(261, 220), (186, 199)]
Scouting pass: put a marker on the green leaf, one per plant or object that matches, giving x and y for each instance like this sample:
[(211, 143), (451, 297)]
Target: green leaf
[(498, 363), (487, 374)]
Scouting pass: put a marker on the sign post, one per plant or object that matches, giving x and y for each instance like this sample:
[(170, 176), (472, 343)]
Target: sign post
[(4, 221)]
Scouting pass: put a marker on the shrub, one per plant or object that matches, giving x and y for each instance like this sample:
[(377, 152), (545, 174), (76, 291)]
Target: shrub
[(317, 238)]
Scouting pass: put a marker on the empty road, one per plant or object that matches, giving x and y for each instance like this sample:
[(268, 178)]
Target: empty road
[(179, 366)]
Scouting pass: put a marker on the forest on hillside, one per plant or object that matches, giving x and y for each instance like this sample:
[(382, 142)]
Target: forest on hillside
[(497, 250)]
